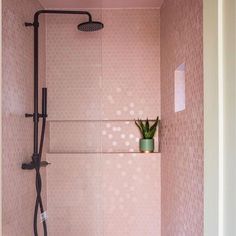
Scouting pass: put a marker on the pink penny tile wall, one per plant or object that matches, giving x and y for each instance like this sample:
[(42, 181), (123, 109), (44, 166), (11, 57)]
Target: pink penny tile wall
[(17, 94), (131, 194), (131, 64), (104, 195), (73, 69), (111, 75), (67, 137), (182, 132), (74, 182)]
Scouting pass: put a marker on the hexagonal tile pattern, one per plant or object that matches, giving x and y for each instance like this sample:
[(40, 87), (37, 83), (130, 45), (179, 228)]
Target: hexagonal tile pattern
[(182, 132), (111, 75), (67, 137), (104, 194)]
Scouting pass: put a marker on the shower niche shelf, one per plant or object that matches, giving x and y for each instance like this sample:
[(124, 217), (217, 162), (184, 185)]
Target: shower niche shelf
[(108, 137), (149, 153), (128, 120)]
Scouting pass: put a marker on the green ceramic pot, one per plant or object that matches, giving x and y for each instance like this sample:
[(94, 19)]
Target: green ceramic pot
[(146, 145)]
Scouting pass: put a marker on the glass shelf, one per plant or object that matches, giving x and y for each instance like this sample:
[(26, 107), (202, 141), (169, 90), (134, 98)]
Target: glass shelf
[(128, 120), (103, 153)]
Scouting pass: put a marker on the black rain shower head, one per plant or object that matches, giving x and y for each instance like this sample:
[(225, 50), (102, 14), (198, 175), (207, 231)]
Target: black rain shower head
[(90, 26)]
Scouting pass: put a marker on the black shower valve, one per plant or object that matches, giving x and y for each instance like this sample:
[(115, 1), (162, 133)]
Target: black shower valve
[(31, 165), (28, 166)]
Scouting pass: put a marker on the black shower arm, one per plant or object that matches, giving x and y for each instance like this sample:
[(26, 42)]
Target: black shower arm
[(36, 15)]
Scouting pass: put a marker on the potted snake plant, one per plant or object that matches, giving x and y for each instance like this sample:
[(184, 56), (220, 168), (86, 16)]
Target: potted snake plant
[(146, 143)]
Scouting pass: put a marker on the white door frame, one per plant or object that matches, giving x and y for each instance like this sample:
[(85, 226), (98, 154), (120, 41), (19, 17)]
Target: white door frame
[(220, 117), (211, 120)]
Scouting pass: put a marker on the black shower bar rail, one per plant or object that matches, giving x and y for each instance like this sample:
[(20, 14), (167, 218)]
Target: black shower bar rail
[(36, 162)]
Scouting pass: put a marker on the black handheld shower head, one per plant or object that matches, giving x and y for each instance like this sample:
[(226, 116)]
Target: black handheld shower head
[(90, 26)]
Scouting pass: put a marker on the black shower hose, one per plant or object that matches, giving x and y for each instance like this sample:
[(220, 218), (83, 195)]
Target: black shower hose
[(38, 202)]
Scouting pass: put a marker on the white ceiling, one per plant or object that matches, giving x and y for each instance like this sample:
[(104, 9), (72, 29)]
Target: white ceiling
[(101, 3)]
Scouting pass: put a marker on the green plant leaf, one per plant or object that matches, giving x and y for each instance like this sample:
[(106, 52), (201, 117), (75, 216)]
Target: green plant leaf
[(147, 125), (137, 124), (146, 135), (152, 133), (140, 129), (155, 124), (142, 126), (146, 131)]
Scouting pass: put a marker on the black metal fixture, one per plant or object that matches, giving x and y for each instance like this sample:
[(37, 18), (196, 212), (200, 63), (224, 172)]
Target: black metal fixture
[(36, 162)]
